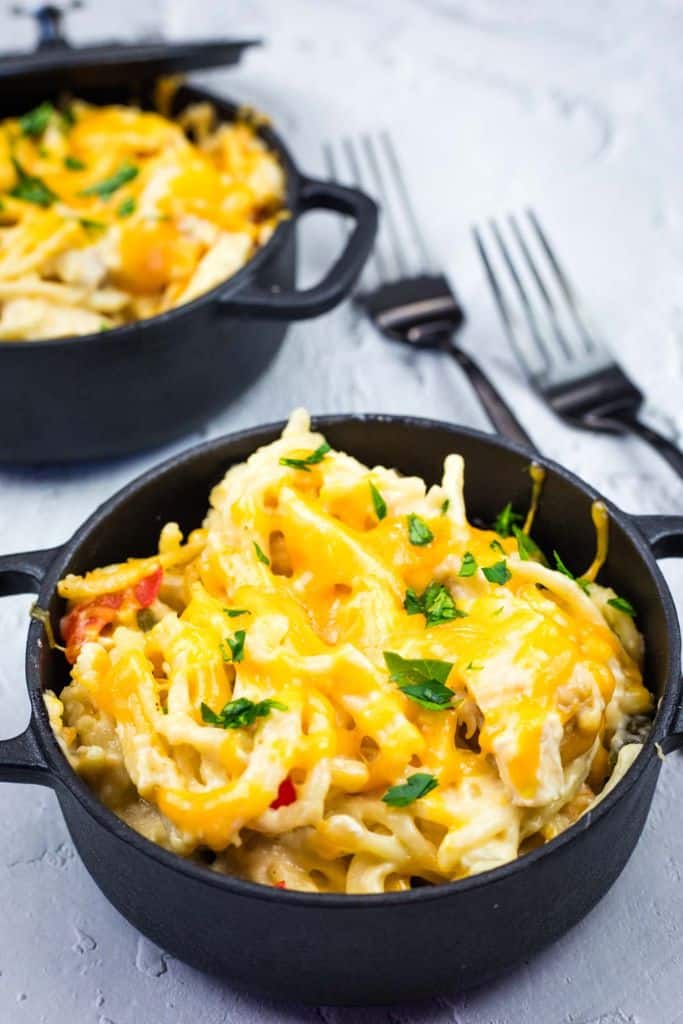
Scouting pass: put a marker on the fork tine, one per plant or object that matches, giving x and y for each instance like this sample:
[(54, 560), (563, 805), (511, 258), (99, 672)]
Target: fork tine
[(528, 360), (389, 219), (545, 295), (541, 348), (377, 258), (563, 281), (395, 167), (329, 161), (330, 165)]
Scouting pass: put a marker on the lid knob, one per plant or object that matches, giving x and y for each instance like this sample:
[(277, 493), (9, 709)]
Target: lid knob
[(49, 22)]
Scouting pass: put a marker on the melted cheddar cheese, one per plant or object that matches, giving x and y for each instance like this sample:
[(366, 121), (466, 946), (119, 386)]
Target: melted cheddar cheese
[(113, 214), (237, 698)]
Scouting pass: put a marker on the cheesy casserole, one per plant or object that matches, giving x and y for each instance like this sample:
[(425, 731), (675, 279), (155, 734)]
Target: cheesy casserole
[(338, 684), (112, 214)]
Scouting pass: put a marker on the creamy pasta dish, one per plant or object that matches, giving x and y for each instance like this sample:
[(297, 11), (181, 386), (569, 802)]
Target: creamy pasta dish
[(110, 214), (339, 684)]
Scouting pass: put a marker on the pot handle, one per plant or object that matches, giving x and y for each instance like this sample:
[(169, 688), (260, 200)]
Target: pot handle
[(264, 304), (664, 534), (21, 759)]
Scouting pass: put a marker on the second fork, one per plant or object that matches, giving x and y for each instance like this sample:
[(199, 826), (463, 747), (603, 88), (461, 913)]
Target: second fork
[(409, 300)]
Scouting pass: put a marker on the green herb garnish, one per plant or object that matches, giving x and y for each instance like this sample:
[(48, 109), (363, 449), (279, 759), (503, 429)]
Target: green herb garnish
[(378, 502), (473, 668), (495, 545), (435, 603), (418, 672), (622, 605), (241, 713), (445, 505), (527, 547), (91, 225), (232, 613), (126, 208), (72, 163), (236, 646), (469, 565), (561, 567), (506, 519), (497, 573), (31, 189), (419, 533), (67, 118), (36, 121), (418, 785), (260, 554), (433, 696), (105, 188), (310, 460)]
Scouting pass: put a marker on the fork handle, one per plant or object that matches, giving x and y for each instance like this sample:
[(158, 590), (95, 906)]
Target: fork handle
[(666, 448), (495, 406)]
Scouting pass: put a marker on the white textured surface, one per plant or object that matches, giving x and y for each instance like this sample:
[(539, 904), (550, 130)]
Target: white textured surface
[(574, 108)]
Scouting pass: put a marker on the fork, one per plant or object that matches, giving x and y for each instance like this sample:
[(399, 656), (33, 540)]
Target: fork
[(411, 301), (569, 366)]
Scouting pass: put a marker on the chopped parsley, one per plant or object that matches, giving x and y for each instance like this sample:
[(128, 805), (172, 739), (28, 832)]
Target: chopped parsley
[(561, 567), (473, 668), (469, 565), (232, 613), (126, 208), (36, 121), (433, 696), (528, 549), (30, 188), (378, 502), (91, 225), (622, 605), (240, 713), (495, 545), (506, 519), (105, 188), (310, 460), (260, 554), (72, 163), (435, 603), (67, 118), (445, 505), (417, 785), (422, 679), (235, 645), (497, 573), (419, 533)]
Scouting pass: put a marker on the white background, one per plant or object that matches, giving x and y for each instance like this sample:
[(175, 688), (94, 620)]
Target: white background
[(575, 109)]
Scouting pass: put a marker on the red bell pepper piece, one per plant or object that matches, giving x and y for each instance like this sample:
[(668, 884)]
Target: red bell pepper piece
[(286, 794), (86, 622), (147, 590)]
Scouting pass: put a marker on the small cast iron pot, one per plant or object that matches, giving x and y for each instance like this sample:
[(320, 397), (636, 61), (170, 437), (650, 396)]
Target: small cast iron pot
[(141, 385), (358, 949)]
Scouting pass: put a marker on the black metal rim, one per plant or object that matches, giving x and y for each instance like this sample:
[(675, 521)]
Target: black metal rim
[(227, 109), (62, 775)]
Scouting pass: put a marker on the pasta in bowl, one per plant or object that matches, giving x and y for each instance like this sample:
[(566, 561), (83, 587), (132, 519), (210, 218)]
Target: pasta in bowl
[(113, 214), (339, 684)]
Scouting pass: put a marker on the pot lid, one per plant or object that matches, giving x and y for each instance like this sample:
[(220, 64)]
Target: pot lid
[(55, 65)]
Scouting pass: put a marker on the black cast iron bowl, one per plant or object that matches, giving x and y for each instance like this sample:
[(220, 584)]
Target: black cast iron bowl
[(358, 949), (108, 394)]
